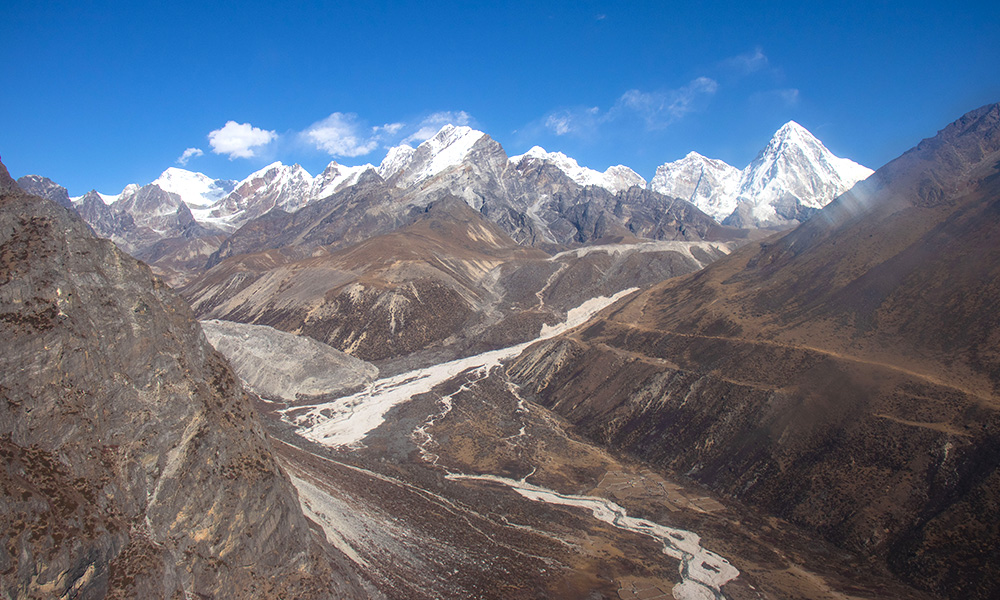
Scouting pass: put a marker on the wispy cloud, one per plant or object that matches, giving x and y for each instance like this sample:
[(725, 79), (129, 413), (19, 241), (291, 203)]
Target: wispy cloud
[(239, 140), (659, 109), (574, 121), (747, 63), (434, 122), (188, 154), (655, 109), (389, 128)]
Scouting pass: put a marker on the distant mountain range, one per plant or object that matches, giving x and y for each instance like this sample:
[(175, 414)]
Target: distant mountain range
[(539, 198), (794, 175)]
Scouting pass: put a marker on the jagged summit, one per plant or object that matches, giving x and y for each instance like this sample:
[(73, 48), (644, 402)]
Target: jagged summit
[(709, 184), (46, 188), (405, 166), (790, 179), (614, 179)]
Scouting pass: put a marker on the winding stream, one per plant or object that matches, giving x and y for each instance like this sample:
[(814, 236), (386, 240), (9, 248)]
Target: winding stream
[(703, 572)]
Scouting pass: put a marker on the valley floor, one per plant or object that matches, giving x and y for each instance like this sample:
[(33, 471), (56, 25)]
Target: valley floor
[(466, 489)]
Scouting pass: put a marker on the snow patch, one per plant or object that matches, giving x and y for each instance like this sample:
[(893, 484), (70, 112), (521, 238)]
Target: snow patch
[(347, 421)]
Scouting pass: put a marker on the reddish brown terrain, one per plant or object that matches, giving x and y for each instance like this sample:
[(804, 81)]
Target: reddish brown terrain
[(844, 376)]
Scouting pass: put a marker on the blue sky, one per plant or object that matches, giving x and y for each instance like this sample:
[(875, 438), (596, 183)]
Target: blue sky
[(99, 95)]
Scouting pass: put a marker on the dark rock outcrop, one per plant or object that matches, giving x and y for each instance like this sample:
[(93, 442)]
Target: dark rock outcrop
[(133, 465), (36, 185)]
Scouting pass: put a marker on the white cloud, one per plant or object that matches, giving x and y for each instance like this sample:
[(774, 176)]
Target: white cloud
[(660, 109), (188, 155), (342, 134), (388, 128), (238, 140), (433, 123)]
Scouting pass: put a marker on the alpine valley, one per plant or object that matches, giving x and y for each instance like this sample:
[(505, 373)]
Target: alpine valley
[(463, 374)]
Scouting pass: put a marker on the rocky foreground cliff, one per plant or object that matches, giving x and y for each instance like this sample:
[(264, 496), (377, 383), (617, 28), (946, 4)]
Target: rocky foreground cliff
[(133, 465), (844, 376)]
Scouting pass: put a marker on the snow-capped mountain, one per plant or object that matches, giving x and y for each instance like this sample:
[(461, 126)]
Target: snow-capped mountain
[(791, 178), (615, 179), (708, 183), (335, 178), (538, 198), (405, 166), (277, 185), (285, 187), (197, 190)]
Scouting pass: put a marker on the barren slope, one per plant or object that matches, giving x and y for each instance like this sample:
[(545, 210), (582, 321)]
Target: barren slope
[(845, 375), (448, 284)]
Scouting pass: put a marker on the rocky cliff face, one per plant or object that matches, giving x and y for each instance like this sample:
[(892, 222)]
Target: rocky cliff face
[(133, 463), (844, 376)]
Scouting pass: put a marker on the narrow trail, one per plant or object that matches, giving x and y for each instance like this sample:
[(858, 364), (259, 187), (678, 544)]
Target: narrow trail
[(986, 398)]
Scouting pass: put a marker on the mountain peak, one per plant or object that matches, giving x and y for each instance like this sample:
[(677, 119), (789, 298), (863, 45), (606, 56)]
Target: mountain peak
[(792, 127), (613, 179), (195, 189), (708, 183), (792, 135), (791, 178), (445, 149), (45, 188)]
